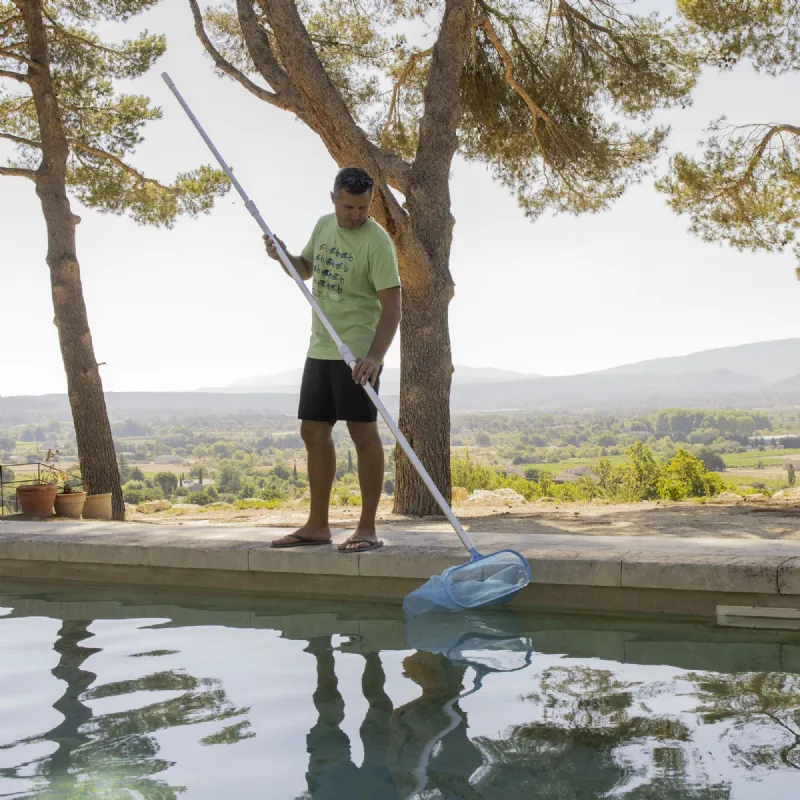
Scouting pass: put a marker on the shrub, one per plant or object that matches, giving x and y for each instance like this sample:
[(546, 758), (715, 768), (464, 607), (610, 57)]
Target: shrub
[(282, 471), (248, 489), (272, 493), (341, 496), (143, 495), (686, 476), (253, 502), (199, 498), (229, 478), (168, 482), (222, 449), (711, 460), (470, 475), (640, 475)]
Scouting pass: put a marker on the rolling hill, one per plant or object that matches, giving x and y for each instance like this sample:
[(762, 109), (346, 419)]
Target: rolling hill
[(763, 374), (773, 361)]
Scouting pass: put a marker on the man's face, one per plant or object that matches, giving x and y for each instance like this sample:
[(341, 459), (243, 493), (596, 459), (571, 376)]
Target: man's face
[(352, 210)]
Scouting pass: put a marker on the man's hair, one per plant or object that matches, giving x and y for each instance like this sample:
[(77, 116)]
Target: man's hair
[(353, 179)]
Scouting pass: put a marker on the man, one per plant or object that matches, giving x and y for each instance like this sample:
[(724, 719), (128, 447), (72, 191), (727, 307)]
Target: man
[(356, 282)]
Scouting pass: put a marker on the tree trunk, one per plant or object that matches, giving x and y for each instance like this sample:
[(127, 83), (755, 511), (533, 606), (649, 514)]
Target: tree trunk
[(426, 360), (427, 368), (87, 401), (67, 735), (98, 459)]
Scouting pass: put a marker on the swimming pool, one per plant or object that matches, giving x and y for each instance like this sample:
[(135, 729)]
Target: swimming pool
[(140, 694)]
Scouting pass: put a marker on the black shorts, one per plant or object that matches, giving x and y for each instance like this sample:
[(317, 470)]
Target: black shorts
[(328, 393)]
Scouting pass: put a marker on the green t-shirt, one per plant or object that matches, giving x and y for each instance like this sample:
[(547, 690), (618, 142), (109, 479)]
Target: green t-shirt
[(350, 268)]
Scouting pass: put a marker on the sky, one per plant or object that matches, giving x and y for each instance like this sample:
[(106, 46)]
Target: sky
[(201, 305)]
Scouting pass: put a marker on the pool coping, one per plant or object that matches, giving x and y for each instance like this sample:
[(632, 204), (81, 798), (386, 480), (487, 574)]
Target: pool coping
[(603, 573)]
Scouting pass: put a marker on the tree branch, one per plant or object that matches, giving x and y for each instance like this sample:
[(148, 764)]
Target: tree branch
[(428, 198), (18, 172), (260, 49), (14, 76), (324, 109), (76, 144), (224, 66), (7, 24), (570, 11), (536, 112), (755, 159), (6, 53), (81, 40), (437, 128), (392, 115), (20, 140)]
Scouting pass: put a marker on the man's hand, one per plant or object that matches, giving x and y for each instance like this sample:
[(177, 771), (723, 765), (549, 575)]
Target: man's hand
[(366, 369), (272, 251)]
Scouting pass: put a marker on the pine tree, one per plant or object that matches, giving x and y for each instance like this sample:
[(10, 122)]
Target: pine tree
[(73, 134), (745, 190), (555, 96)]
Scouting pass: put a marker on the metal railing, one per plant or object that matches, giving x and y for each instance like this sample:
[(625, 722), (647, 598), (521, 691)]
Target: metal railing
[(10, 504)]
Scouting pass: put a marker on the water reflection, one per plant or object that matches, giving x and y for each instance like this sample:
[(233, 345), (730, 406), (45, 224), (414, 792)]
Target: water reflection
[(755, 705), (503, 706), (116, 755)]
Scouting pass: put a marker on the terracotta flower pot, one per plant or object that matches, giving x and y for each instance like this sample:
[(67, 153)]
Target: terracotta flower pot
[(37, 500), (70, 505), (97, 506)]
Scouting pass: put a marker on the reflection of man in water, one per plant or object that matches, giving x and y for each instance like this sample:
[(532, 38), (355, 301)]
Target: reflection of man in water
[(332, 775), (393, 740)]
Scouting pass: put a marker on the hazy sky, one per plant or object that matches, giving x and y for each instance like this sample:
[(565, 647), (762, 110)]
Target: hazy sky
[(200, 305)]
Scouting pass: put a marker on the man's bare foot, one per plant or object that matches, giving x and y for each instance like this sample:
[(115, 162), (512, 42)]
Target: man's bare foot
[(310, 532), (362, 538)]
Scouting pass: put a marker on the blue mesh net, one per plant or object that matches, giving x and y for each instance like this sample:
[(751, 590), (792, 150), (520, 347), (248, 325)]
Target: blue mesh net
[(484, 581)]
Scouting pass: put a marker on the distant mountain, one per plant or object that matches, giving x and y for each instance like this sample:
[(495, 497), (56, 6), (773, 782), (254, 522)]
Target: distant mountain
[(289, 381), (768, 362), (772, 361), (789, 385), (608, 391), (754, 375)]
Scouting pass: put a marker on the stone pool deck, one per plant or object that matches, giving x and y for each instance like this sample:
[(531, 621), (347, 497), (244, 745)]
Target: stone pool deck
[(647, 574)]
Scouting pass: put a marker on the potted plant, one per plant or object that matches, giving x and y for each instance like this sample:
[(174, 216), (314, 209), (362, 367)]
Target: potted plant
[(69, 503), (97, 506), (37, 499)]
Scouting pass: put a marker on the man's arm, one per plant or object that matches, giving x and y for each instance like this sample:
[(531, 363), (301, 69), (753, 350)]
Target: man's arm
[(304, 269), (391, 310)]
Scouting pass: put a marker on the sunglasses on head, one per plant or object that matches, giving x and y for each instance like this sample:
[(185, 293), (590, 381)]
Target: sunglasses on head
[(355, 184)]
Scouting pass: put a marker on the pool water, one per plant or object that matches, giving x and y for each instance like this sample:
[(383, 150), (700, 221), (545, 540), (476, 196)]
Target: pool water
[(133, 694)]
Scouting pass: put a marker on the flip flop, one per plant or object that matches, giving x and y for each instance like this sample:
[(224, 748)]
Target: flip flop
[(300, 542), (372, 545)]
